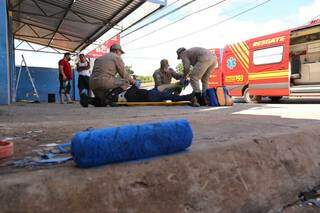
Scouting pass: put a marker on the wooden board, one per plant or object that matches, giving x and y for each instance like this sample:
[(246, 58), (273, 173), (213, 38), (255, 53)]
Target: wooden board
[(180, 103)]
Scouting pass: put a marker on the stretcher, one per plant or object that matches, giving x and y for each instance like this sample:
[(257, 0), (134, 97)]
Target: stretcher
[(162, 103)]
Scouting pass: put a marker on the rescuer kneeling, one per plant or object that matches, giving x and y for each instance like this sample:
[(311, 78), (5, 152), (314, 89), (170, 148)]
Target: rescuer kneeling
[(104, 74)]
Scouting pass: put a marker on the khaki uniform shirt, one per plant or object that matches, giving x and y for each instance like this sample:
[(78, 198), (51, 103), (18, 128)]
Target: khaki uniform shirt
[(165, 77), (105, 69), (195, 55)]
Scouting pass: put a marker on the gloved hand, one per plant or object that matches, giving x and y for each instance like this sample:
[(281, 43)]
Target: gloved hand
[(184, 82), (132, 82), (138, 83)]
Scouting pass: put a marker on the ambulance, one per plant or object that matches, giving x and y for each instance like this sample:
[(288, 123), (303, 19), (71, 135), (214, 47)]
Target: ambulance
[(283, 64)]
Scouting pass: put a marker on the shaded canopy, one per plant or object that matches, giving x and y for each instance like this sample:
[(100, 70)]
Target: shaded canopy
[(69, 25)]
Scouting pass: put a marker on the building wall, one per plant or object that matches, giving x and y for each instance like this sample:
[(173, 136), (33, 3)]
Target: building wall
[(46, 81), (4, 55)]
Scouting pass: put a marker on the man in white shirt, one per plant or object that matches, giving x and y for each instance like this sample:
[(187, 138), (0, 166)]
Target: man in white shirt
[(83, 68)]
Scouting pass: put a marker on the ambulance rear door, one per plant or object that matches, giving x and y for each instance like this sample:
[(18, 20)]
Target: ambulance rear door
[(269, 67)]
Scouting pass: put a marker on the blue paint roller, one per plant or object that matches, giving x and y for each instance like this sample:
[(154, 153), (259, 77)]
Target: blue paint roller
[(131, 142)]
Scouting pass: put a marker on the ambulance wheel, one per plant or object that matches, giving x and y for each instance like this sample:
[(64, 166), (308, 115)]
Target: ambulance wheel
[(251, 98), (275, 98)]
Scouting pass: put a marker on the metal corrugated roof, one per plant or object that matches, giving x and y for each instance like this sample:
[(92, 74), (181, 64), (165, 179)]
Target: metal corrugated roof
[(69, 25)]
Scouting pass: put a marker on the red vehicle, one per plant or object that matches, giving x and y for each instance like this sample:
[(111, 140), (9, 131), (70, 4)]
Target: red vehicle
[(281, 64)]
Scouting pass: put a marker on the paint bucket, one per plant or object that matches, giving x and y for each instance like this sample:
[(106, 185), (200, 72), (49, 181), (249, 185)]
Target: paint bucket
[(6, 149)]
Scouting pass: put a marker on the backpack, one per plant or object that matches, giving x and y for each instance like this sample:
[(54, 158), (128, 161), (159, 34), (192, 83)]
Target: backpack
[(211, 97), (224, 99)]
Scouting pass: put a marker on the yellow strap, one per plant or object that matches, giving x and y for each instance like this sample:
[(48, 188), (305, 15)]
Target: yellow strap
[(179, 103)]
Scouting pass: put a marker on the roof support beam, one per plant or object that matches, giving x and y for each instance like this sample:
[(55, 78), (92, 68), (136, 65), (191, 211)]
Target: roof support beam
[(29, 13), (68, 39), (79, 16), (32, 49), (54, 14), (46, 16), (45, 28), (16, 5), (19, 44), (19, 28), (35, 42), (47, 21), (49, 34), (36, 3), (30, 46), (35, 32), (104, 28), (56, 5), (27, 36), (39, 51), (54, 49), (61, 21)]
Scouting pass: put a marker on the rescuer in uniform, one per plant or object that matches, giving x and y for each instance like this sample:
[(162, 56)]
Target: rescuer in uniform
[(203, 62), (105, 69), (163, 76)]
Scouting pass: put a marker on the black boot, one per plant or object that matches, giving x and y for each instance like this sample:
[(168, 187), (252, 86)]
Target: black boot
[(194, 102), (84, 100), (97, 102), (200, 99), (112, 96), (92, 101)]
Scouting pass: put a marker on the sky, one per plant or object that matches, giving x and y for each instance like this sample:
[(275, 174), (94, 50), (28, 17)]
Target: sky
[(201, 29)]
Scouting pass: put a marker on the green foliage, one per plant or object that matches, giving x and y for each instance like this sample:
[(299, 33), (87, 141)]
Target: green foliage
[(180, 68), (129, 70), (145, 79)]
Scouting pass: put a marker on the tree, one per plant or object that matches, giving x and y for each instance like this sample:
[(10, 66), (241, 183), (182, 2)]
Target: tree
[(145, 79), (129, 70), (180, 68)]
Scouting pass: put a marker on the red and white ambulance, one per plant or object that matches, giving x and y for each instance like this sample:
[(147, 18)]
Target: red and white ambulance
[(281, 64)]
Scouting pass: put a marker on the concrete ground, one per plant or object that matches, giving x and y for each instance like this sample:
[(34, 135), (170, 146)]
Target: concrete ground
[(274, 135)]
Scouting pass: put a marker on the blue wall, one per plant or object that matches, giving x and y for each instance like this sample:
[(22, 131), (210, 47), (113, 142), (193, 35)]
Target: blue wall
[(46, 81), (4, 55)]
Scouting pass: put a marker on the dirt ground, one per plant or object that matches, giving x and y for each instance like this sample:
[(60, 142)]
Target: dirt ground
[(30, 125)]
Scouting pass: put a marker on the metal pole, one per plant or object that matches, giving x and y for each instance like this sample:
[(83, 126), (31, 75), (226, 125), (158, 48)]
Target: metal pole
[(30, 77), (18, 77)]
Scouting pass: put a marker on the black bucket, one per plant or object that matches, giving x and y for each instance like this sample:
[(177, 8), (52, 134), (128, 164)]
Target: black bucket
[(51, 98)]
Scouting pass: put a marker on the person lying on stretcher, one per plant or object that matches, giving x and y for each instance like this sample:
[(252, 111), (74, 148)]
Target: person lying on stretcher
[(134, 94)]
